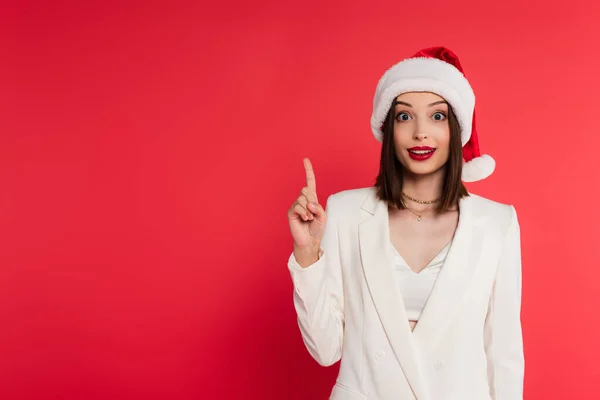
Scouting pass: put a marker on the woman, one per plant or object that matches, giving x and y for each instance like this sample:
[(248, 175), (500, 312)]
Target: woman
[(414, 284)]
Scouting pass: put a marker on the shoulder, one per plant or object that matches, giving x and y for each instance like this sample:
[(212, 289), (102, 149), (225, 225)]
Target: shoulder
[(501, 214), (487, 206), (352, 195), (350, 198)]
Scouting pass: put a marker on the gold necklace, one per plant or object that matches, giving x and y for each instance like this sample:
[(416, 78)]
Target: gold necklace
[(419, 216), (420, 201)]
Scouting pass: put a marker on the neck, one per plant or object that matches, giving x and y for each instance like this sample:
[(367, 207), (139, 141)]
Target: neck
[(424, 187)]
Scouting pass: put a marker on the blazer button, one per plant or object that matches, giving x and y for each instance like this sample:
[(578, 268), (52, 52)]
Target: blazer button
[(439, 364), (379, 355)]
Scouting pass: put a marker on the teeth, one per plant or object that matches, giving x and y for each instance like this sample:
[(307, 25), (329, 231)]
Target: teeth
[(421, 151)]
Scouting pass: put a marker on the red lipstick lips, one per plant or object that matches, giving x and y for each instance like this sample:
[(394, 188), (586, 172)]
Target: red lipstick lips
[(421, 153)]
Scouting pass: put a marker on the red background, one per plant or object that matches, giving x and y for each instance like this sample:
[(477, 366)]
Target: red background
[(149, 152)]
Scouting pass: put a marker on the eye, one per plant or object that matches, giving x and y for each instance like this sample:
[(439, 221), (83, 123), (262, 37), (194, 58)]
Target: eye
[(402, 116), (439, 116)]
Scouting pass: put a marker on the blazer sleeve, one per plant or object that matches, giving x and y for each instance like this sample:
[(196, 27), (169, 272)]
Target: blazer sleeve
[(502, 332), (318, 295)]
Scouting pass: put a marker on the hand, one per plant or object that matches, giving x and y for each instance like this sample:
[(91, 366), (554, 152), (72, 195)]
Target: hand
[(306, 216)]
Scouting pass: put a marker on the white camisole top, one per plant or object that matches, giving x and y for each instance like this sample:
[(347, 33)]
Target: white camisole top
[(416, 287)]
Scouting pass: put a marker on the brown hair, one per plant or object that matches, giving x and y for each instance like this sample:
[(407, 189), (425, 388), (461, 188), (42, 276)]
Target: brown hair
[(389, 180)]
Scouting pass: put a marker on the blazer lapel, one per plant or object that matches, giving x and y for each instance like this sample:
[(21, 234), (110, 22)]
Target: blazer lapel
[(378, 264), (454, 278)]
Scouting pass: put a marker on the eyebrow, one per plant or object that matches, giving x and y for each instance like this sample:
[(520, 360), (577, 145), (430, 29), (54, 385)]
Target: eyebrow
[(429, 105)]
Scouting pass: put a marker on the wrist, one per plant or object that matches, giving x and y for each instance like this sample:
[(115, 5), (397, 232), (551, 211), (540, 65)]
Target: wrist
[(306, 256)]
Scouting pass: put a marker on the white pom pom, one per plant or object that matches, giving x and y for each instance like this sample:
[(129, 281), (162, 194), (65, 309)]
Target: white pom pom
[(478, 168)]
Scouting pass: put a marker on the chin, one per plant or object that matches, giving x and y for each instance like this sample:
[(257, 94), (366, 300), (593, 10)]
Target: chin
[(423, 172), (423, 169)]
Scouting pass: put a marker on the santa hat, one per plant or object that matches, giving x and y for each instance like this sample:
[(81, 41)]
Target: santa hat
[(436, 70)]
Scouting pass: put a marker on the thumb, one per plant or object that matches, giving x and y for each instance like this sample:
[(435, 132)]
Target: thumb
[(317, 210)]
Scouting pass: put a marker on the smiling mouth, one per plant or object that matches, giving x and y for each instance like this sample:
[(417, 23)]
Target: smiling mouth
[(421, 152)]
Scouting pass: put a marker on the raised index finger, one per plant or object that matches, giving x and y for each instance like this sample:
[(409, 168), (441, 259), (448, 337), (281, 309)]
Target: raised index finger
[(311, 181)]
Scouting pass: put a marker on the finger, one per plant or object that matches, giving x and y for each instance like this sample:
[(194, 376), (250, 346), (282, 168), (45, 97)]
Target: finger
[(301, 211), (317, 210), (311, 181), (309, 194), (303, 201), (296, 213)]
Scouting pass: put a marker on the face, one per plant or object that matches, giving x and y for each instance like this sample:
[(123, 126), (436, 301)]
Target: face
[(421, 132)]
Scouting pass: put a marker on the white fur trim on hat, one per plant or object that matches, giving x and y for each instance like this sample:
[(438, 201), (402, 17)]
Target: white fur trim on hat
[(478, 168), (423, 74)]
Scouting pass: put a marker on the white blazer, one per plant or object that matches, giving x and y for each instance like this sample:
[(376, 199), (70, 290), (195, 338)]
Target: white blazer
[(467, 344)]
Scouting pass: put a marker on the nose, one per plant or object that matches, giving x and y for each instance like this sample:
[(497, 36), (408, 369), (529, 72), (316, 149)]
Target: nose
[(419, 133)]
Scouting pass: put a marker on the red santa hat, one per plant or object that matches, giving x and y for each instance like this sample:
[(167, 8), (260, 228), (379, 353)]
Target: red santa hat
[(436, 70)]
